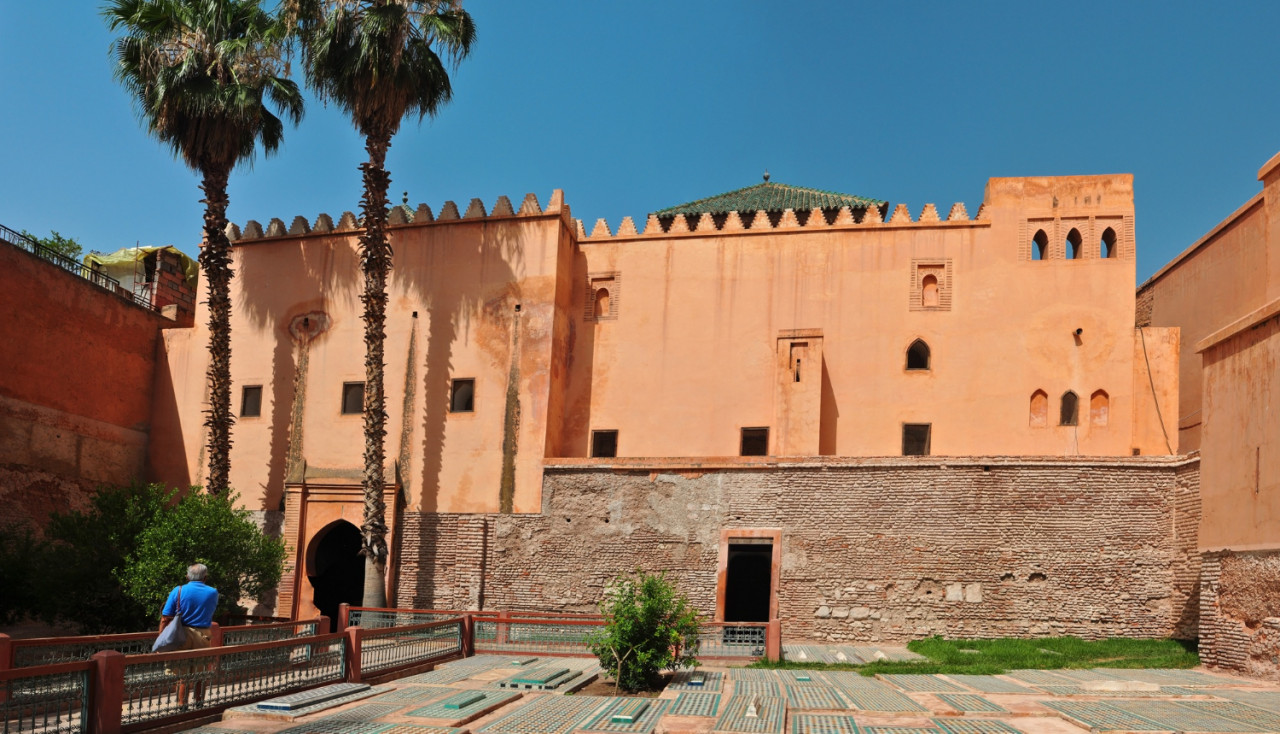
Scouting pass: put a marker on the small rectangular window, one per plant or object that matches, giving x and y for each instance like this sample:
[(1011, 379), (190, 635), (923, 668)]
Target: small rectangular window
[(915, 439), (352, 398), (755, 442), (604, 444), (462, 396), (251, 401)]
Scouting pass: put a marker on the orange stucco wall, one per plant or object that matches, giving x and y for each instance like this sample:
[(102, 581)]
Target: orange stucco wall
[(691, 357)]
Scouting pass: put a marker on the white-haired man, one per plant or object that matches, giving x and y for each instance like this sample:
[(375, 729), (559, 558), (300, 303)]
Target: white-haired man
[(197, 605)]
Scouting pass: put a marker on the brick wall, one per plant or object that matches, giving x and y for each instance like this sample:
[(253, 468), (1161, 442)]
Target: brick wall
[(877, 549), (1145, 302), (1239, 601)]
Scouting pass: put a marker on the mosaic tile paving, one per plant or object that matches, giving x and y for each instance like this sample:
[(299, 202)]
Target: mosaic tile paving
[(542, 678), (416, 729), (923, 683), (751, 674), (1079, 691), (696, 704), (1102, 716), (801, 678), (365, 712), (885, 699), (756, 687), (966, 702), (414, 694), (770, 709), (815, 697), (1040, 677), (215, 730), (335, 727), (547, 715), (851, 681), (900, 730), (823, 724), (1174, 676), (1087, 675), (680, 681), (1267, 720), (643, 724), (990, 684), (1268, 700), (322, 705), (1179, 718), (303, 699), (440, 709), (975, 726)]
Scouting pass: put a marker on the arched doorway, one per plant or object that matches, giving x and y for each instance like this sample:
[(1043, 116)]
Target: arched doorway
[(335, 568)]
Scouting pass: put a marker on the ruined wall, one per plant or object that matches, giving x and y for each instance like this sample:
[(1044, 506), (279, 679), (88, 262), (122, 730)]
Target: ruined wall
[(75, 386), (875, 549), (1239, 604)]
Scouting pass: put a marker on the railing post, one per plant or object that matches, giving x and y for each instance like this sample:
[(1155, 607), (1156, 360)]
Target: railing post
[(773, 640), (6, 652), (344, 615), (215, 635), (500, 631), (468, 635), (106, 692), (353, 654), (322, 625)]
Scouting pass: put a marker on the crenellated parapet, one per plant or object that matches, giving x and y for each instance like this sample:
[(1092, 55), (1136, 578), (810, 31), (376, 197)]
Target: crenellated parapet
[(402, 215), (787, 219)]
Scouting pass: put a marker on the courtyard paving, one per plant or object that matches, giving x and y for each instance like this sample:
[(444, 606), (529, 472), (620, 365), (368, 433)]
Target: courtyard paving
[(501, 694)]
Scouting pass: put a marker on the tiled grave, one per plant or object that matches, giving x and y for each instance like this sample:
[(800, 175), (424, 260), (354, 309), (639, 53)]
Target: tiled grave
[(1173, 676), (850, 680), (696, 704), (547, 715), (922, 683), (822, 698), (756, 687), (900, 730), (823, 724), (251, 711), (1040, 677), (736, 674), (1269, 700), (801, 678), (216, 730), (1087, 675), (770, 713), (336, 727), (365, 712), (883, 699), (975, 726), (684, 681), (1236, 711), (990, 684), (1081, 691), (416, 729), (463, 705), (312, 697), (413, 694), (642, 712), (970, 703), (1173, 717), (1102, 716), (542, 677)]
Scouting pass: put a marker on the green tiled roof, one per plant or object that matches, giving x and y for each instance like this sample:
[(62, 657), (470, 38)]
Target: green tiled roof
[(770, 197)]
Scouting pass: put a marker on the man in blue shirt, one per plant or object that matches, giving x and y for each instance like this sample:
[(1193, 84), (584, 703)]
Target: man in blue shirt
[(198, 602)]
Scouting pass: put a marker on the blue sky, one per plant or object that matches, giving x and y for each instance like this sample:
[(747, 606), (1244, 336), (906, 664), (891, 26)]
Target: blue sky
[(631, 107)]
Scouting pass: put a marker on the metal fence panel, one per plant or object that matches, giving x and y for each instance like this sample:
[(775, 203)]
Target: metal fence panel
[(46, 701), (383, 649)]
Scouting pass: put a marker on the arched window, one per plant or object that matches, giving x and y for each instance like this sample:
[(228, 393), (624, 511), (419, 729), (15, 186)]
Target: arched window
[(918, 355), (1099, 408), (1074, 242), (929, 291), (1070, 415), (1040, 246), (1039, 409), (1109, 243), (602, 303)]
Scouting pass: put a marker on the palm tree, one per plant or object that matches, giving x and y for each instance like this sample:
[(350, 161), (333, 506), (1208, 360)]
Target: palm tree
[(377, 60), (200, 73)]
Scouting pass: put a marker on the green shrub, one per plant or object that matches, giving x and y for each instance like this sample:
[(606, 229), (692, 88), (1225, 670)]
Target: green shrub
[(19, 551), (648, 627)]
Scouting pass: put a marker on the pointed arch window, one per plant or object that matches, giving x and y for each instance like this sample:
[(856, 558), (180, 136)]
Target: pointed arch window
[(918, 355), (1070, 413), (1099, 408), (1108, 243), (1040, 246), (1075, 250), (1039, 409)]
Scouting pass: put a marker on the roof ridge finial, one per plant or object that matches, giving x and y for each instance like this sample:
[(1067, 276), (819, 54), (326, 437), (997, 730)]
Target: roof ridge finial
[(404, 200), (766, 175)]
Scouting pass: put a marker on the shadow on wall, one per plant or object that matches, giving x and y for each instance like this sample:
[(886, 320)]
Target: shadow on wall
[(828, 416), (575, 439)]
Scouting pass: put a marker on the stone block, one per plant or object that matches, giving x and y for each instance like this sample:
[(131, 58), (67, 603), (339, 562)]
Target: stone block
[(973, 593)]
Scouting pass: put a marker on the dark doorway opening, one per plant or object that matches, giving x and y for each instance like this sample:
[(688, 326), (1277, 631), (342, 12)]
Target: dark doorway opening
[(748, 581), (337, 569)]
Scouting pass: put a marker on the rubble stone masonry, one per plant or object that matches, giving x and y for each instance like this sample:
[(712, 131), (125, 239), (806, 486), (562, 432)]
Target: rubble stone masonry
[(872, 549), (1239, 608)]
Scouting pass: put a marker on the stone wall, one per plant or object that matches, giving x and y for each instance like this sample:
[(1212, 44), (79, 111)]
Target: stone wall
[(872, 549), (1239, 604)]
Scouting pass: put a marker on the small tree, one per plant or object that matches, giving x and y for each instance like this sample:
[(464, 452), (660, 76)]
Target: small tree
[(648, 627), (62, 245)]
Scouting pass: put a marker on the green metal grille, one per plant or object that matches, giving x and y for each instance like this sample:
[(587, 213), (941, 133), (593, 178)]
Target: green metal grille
[(30, 654), (48, 702), (533, 636), (732, 641), (159, 686), (379, 618), (273, 633), (382, 649)]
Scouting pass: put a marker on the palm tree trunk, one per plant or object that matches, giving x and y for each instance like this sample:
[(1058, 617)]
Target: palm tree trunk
[(215, 261), (375, 261)]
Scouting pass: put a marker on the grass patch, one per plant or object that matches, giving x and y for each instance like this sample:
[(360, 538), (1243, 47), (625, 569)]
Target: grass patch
[(992, 657)]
